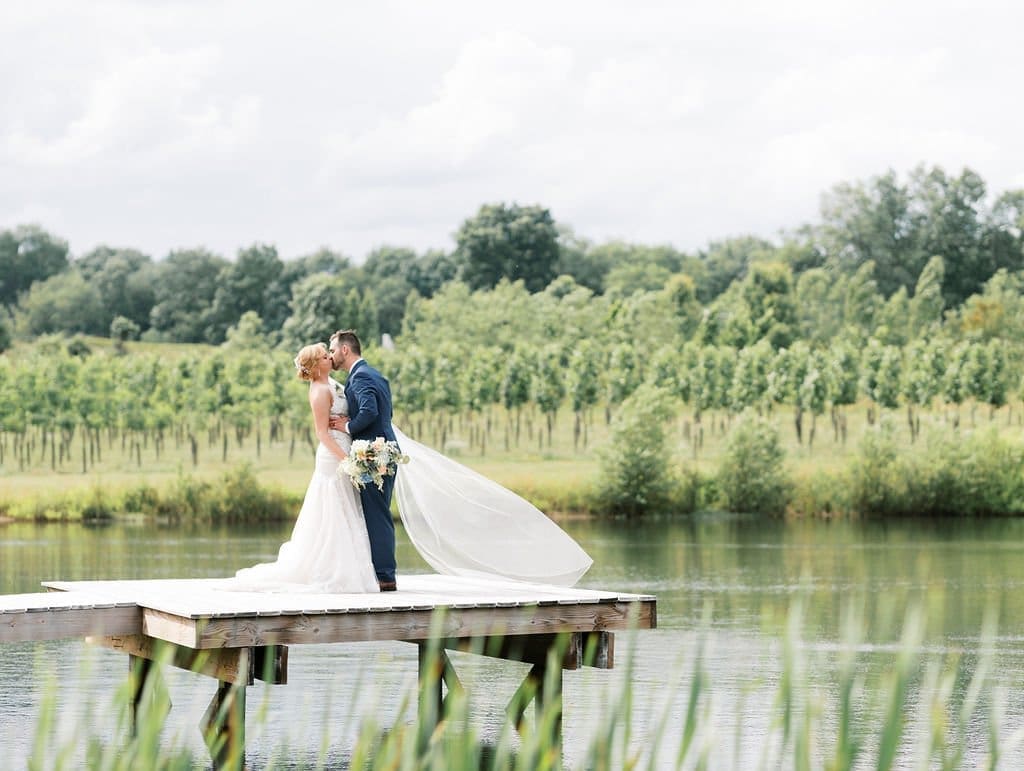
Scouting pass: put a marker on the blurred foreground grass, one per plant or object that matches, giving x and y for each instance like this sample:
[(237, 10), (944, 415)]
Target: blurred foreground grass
[(927, 708)]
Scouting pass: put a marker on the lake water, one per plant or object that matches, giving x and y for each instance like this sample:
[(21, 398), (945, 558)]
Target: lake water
[(744, 572)]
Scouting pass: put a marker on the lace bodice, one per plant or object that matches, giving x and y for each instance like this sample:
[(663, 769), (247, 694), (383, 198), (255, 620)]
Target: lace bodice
[(339, 404)]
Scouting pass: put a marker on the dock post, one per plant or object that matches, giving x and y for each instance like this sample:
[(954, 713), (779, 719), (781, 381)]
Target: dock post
[(145, 684), (548, 704), (138, 673), (435, 674), (223, 723)]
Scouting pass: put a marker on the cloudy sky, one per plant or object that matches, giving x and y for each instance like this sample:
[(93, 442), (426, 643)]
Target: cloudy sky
[(165, 124)]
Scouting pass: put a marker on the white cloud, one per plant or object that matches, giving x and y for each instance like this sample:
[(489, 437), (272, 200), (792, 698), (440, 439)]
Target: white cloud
[(149, 106), (650, 87), (501, 91), (225, 121)]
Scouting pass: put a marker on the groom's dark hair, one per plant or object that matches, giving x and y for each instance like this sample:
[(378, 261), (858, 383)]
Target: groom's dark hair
[(350, 338)]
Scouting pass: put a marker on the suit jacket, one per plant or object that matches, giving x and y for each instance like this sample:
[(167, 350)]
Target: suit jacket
[(369, 403)]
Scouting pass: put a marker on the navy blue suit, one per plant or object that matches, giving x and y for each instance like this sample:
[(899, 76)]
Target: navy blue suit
[(369, 410)]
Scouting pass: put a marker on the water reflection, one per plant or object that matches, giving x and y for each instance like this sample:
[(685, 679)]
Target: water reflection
[(747, 570)]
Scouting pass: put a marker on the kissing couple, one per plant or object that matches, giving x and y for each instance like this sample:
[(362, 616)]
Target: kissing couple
[(460, 522)]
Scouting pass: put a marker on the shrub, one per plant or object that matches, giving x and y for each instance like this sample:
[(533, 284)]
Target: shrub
[(977, 474), (952, 475), (636, 467), (78, 347), (239, 497), (98, 507), (820, 493), (752, 476), (142, 499), (876, 482)]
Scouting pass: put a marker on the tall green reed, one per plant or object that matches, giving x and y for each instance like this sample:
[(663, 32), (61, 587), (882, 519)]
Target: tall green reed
[(918, 714)]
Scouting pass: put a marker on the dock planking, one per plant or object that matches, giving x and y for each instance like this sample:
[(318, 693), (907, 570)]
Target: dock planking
[(238, 636)]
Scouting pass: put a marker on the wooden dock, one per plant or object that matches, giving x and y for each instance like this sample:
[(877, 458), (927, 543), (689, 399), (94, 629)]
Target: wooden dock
[(238, 637)]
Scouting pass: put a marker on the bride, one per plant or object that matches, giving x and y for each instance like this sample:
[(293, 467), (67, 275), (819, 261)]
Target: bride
[(460, 522), (329, 551)]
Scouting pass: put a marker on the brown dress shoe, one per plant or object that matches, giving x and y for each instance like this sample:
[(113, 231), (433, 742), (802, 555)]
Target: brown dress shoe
[(388, 586)]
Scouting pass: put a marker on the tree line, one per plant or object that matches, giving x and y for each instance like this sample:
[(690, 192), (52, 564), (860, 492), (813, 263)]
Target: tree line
[(874, 244)]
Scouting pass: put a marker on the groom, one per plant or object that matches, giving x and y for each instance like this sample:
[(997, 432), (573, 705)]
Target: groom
[(369, 416)]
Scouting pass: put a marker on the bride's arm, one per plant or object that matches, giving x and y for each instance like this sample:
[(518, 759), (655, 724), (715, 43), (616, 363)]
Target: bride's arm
[(320, 402)]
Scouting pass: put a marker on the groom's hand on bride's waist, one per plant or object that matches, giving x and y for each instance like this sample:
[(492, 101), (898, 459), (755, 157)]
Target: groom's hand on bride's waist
[(338, 423)]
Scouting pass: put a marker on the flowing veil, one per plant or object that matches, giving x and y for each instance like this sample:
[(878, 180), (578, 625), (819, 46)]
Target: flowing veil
[(464, 524)]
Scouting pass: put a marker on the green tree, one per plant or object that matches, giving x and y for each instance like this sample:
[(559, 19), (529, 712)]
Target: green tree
[(927, 305), (323, 260), (411, 381), (584, 389), (894, 319), (920, 382), (322, 304), (1005, 230), (386, 270), (579, 259), (247, 332), (390, 296), (626, 268), (123, 329), (955, 387), (953, 226), (249, 283), (125, 279), (482, 389), (702, 387), (621, 376), (515, 391), (63, 303), (860, 306), (727, 261), (874, 221), (431, 271), (628, 278), (508, 241), (28, 254), (548, 384), (813, 391), (680, 294), (768, 294), (881, 369), (184, 289), (819, 314), (727, 321), (997, 312), (750, 380), (843, 372), (996, 385)]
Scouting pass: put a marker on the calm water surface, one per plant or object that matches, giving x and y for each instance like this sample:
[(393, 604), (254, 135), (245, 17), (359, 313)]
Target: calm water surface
[(743, 572)]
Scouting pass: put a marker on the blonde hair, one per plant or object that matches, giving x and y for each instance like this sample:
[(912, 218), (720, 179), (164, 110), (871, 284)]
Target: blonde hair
[(307, 359)]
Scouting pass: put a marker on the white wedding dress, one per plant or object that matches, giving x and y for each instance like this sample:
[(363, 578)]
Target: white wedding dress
[(460, 522), (464, 524), (329, 550)]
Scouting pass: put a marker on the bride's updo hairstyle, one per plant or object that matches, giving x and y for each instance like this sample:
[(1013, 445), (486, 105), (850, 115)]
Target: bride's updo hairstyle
[(307, 360)]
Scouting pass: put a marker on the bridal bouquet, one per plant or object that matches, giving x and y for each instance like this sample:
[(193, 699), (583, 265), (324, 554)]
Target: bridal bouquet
[(371, 461)]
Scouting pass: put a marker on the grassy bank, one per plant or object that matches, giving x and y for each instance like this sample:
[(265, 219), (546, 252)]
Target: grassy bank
[(966, 465), (235, 496)]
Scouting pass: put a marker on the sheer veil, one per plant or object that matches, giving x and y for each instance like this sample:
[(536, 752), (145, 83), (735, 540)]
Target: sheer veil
[(464, 524)]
